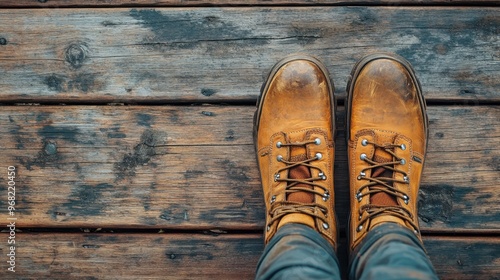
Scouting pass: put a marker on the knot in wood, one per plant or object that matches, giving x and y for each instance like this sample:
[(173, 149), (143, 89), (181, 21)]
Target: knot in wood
[(3, 41), (76, 54)]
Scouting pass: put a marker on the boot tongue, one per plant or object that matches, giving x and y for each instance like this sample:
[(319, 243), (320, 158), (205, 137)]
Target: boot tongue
[(300, 172), (382, 198)]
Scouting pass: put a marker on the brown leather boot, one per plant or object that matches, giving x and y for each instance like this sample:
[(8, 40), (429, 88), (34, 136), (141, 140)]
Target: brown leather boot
[(387, 139), (294, 130)]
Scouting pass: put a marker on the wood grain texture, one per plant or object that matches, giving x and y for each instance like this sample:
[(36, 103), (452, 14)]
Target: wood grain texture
[(223, 54), (135, 256), (195, 3), (464, 257), (201, 256), (193, 167)]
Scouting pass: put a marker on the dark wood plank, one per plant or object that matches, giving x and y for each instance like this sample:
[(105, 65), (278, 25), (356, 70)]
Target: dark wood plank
[(196, 3), (134, 256), (199, 256), (465, 257), (165, 166), (222, 54)]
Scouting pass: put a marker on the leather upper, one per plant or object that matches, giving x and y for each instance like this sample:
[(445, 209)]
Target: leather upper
[(297, 106), (385, 110)]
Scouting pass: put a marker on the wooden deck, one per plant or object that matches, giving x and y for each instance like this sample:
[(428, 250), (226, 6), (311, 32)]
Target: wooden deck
[(129, 124)]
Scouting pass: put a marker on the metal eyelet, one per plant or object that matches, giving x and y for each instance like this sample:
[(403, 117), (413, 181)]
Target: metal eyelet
[(322, 175), (273, 199), (317, 141), (359, 196), (326, 196), (362, 156), (359, 228), (319, 156), (279, 158), (268, 228), (276, 177), (415, 231), (361, 175), (360, 217), (406, 179), (403, 147), (364, 142), (279, 144), (406, 199), (325, 226), (403, 161)]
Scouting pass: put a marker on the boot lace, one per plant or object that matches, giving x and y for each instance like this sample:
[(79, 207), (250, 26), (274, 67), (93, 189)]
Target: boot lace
[(280, 209), (380, 184)]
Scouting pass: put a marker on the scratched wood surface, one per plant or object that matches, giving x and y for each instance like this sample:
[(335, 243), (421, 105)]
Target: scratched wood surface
[(164, 166), (184, 3), (203, 256), (221, 54)]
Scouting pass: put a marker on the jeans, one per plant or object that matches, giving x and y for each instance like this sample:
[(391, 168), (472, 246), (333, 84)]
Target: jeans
[(389, 251)]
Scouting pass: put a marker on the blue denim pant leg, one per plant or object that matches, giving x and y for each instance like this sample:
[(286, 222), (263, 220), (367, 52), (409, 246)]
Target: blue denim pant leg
[(298, 252), (390, 251)]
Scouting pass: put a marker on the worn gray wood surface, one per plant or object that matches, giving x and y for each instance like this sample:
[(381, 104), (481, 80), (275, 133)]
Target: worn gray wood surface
[(222, 54), (165, 166), (112, 177), (195, 3), (202, 256)]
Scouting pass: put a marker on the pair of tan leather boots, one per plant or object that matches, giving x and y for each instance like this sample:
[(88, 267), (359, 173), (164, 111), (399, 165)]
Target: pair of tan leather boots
[(386, 133)]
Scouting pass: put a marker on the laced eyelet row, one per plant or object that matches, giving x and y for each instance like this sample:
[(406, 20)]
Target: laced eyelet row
[(285, 206), (359, 197), (364, 142), (362, 175), (318, 156), (317, 141)]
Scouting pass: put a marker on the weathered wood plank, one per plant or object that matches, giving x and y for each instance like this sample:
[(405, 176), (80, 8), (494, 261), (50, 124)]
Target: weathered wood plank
[(195, 3), (198, 256), (134, 256), (465, 257), (222, 54), (164, 167)]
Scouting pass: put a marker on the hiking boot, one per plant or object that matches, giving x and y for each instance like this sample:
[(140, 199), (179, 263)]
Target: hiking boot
[(294, 129), (386, 144)]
